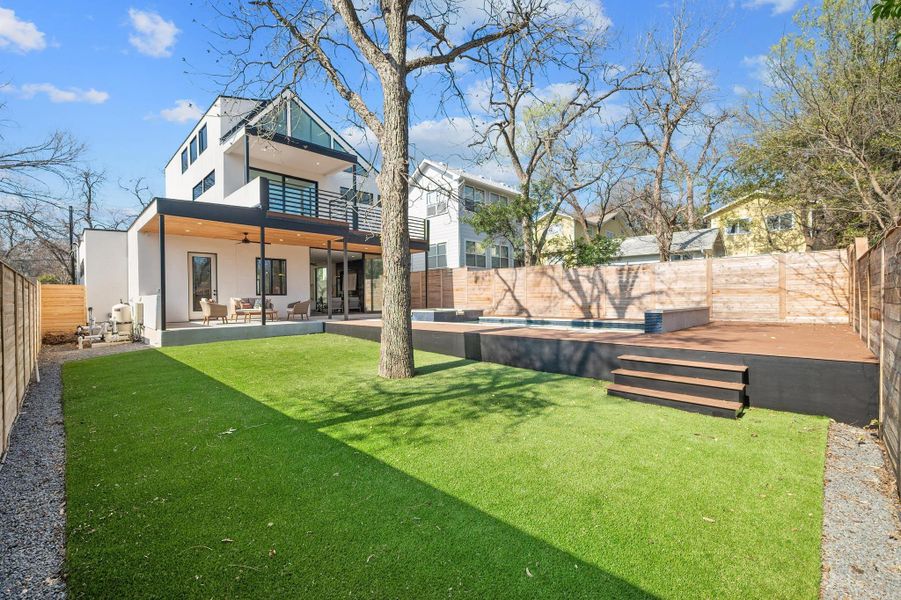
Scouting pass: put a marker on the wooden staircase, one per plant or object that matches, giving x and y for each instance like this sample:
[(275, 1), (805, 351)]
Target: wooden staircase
[(709, 388)]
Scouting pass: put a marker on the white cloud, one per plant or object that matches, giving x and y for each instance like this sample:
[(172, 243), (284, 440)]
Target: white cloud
[(56, 94), (153, 36), (740, 90), (19, 35), (759, 67), (779, 6), (183, 112)]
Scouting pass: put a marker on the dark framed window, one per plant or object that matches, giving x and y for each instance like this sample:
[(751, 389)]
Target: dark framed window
[(209, 181), (438, 256), (197, 191), (475, 257), (275, 278), (472, 197), (738, 227), (184, 160), (201, 139), (500, 257), (193, 149), (783, 222)]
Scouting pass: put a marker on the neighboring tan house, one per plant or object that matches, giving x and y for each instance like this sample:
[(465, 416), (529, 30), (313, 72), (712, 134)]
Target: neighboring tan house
[(566, 229), (263, 199), (444, 196), (686, 245), (758, 224)]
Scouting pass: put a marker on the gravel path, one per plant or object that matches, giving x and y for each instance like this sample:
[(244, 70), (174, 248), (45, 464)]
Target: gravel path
[(861, 528), (32, 485)]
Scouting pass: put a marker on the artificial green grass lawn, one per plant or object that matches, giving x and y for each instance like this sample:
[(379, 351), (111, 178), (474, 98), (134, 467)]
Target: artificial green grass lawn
[(286, 468)]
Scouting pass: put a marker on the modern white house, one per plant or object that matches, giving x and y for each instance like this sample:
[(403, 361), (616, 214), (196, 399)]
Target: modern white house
[(264, 202), (443, 196)]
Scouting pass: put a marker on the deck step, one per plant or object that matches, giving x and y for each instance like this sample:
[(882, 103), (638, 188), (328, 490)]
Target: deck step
[(680, 384), (689, 402), (685, 368)]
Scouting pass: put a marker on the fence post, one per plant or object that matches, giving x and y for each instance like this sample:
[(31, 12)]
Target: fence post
[(2, 361), (780, 261)]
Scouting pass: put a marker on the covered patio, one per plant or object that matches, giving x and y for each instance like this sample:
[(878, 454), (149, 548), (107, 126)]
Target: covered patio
[(221, 241)]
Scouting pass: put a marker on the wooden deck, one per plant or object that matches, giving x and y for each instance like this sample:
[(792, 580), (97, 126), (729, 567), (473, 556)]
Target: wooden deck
[(813, 369), (818, 342)]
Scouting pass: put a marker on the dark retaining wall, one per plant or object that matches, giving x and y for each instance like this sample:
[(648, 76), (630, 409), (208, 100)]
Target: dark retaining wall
[(843, 390)]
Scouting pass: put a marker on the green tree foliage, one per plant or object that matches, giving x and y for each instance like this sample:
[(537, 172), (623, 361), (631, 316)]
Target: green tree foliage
[(599, 250), (827, 137), (888, 9)]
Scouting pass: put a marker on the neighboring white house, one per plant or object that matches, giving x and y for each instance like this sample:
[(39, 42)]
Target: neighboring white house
[(444, 196), (103, 260), (686, 245), (248, 170)]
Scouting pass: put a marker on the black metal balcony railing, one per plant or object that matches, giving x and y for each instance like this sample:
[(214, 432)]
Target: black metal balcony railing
[(308, 202)]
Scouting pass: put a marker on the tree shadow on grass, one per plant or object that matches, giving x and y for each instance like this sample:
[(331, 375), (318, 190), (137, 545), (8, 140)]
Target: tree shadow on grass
[(181, 486)]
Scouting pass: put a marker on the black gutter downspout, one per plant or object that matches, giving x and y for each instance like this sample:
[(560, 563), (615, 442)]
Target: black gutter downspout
[(328, 278), (246, 157), (344, 282), (162, 272), (426, 278), (72, 244)]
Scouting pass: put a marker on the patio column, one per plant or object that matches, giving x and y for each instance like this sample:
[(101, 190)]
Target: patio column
[(162, 234), (425, 280), (363, 295), (328, 278), (263, 272), (346, 279)]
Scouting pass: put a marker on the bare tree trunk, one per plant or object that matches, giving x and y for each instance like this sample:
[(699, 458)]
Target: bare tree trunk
[(396, 360)]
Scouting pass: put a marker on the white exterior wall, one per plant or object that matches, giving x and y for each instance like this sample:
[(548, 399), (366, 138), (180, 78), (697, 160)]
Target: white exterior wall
[(221, 117), (103, 259), (235, 271), (448, 228)]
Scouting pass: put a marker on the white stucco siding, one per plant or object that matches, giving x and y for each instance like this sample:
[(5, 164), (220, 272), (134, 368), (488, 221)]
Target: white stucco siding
[(104, 258), (235, 272)]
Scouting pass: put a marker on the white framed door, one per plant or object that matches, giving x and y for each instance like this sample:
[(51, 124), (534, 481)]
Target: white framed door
[(201, 281)]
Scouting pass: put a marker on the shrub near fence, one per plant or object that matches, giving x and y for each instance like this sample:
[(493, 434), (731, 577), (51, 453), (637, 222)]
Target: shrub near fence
[(876, 316), (21, 341), (810, 287)]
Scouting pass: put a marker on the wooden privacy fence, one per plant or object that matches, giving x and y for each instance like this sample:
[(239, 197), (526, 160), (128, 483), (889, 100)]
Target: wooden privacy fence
[(876, 316), (20, 344), (63, 308), (809, 287)]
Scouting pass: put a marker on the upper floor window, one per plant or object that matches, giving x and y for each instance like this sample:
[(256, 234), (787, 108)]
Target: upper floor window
[(475, 256), (783, 222), (438, 256), (500, 257), (472, 197), (738, 227), (193, 147), (205, 184), (304, 127), (184, 160), (201, 139), (492, 197)]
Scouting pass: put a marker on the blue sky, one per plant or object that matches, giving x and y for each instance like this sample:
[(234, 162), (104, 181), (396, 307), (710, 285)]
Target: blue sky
[(120, 76)]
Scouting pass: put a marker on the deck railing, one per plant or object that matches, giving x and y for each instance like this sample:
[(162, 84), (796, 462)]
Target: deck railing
[(310, 202)]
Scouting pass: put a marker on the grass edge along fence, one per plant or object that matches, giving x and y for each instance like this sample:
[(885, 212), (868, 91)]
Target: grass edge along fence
[(20, 343)]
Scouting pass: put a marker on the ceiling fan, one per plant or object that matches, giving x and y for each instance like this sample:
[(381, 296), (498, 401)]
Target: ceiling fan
[(247, 240)]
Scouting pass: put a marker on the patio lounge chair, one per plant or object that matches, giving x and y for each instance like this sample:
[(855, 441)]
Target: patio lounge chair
[(300, 308), (213, 310)]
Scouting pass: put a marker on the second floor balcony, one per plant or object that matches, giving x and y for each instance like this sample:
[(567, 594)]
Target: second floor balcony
[(311, 202)]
